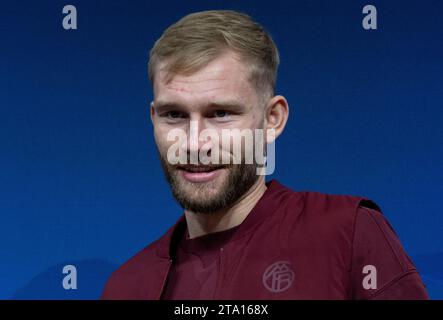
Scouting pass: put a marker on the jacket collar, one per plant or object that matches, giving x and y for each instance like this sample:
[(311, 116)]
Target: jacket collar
[(264, 208)]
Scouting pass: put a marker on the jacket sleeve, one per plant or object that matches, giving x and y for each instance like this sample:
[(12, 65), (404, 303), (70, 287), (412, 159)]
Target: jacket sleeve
[(380, 268)]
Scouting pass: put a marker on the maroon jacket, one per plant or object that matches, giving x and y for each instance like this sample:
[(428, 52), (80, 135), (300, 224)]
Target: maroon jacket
[(292, 245)]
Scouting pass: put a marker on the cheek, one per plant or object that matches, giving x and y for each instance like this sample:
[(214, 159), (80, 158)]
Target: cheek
[(258, 120), (177, 144), (160, 137)]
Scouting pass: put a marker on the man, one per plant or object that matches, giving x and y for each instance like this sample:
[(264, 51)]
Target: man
[(240, 237)]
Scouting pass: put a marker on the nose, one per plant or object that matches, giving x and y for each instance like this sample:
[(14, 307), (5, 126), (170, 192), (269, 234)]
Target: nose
[(195, 145), (195, 127), (191, 144)]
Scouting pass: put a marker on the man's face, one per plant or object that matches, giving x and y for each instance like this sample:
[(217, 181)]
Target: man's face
[(217, 97)]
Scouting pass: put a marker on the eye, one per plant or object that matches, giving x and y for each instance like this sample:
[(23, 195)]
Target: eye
[(221, 113), (174, 114)]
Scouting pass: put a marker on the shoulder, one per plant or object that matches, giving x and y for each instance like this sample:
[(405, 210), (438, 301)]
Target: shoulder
[(327, 220), (335, 211), (319, 212), (326, 202)]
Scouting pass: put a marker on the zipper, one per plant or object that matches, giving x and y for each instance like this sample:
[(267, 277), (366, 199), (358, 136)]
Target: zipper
[(164, 279), (220, 275)]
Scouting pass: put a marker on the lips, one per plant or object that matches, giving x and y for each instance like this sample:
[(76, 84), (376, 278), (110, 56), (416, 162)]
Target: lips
[(199, 174), (197, 168)]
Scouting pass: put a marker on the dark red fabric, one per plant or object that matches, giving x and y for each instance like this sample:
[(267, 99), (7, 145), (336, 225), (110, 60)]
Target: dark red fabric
[(292, 245), (195, 271)]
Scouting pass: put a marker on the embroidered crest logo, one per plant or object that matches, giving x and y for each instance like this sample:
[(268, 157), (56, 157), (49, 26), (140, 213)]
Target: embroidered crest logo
[(278, 276)]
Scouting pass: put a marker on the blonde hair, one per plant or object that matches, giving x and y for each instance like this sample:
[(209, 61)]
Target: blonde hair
[(198, 38)]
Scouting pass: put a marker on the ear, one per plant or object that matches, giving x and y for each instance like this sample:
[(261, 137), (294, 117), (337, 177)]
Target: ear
[(276, 116), (152, 112)]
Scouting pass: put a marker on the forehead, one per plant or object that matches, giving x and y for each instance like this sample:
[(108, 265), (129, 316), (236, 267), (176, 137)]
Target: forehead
[(226, 76)]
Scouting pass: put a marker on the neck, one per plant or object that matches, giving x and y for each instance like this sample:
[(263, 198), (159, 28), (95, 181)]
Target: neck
[(226, 218)]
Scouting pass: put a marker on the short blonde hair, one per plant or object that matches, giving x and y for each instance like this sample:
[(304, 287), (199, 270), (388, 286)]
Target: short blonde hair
[(198, 38)]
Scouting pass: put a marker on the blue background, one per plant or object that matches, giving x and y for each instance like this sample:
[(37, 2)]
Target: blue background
[(80, 181)]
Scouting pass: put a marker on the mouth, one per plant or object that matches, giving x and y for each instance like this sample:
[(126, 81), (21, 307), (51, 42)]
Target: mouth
[(200, 173)]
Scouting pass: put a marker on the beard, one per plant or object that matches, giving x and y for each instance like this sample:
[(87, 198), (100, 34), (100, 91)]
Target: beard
[(209, 197)]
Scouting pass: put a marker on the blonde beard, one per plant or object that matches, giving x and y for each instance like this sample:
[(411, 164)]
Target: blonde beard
[(214, 195)]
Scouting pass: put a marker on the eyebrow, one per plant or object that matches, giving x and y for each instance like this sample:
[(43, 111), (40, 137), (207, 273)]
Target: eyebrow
[(232, 105)]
